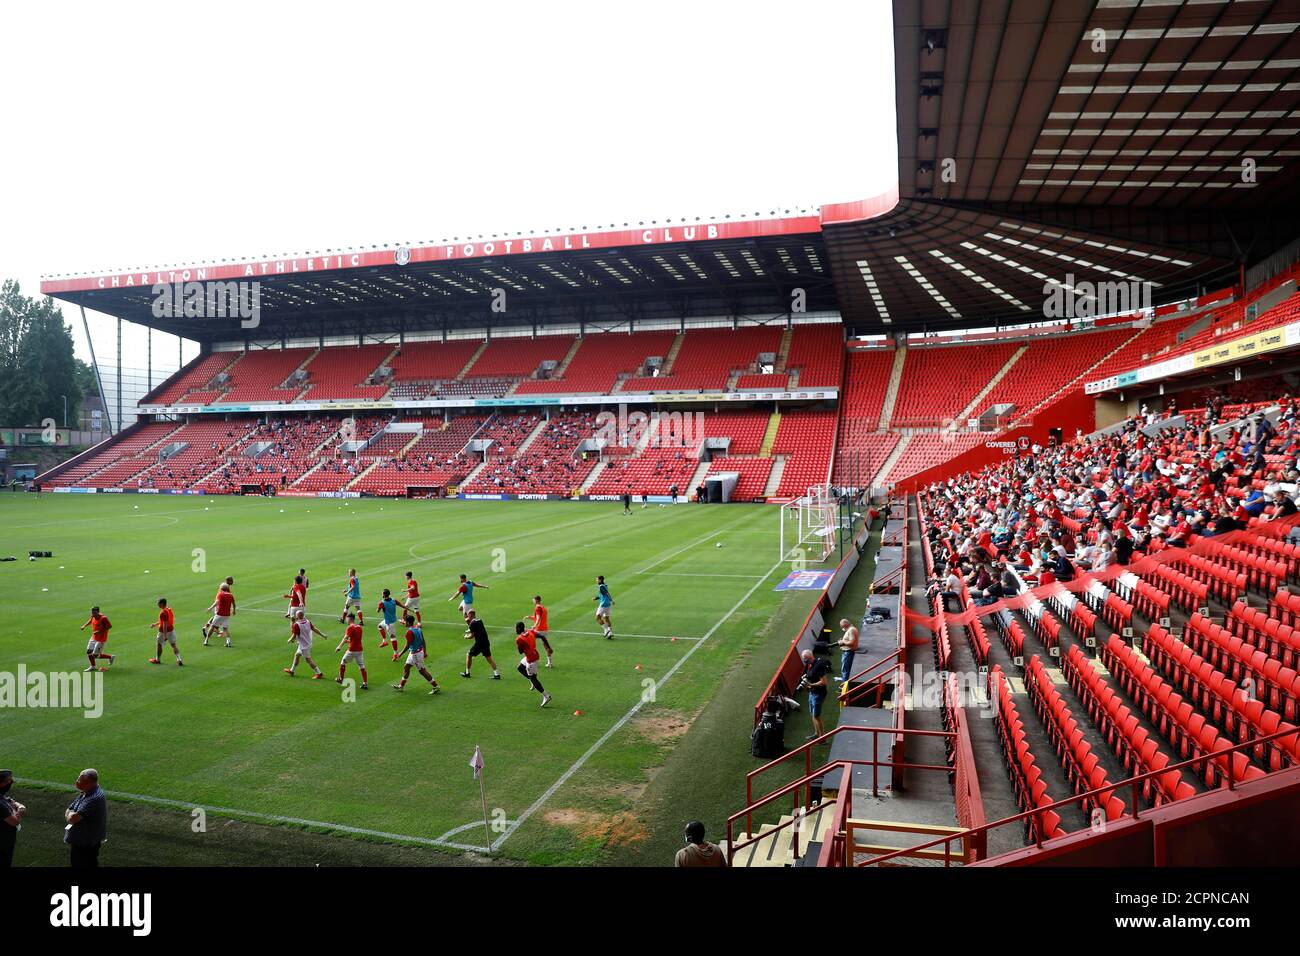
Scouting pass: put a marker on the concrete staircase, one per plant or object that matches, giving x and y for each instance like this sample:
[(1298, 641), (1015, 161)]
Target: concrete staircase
[(891, 393), (592, 478), (1082, 376), (671, 357), (532, 437), (775, 847), (568, 357), (969, 410), (893, 457), (783, 353), (769, 436), (474, 473), (774, 477), (697, 476), (460, 376)]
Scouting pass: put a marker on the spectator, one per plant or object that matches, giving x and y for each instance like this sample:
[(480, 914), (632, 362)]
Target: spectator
[(11, 818), (848, 648), (815, 670), (699, 851), (87, 819)]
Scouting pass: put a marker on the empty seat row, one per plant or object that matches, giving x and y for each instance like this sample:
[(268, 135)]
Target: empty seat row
[(1082, 767), (1026, 779), (1136, 749)]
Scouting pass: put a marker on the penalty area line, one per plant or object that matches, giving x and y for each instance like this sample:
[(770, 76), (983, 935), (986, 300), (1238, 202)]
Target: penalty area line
[(623, 721)]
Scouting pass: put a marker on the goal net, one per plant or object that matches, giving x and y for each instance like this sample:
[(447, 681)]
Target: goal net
[(809, 524)]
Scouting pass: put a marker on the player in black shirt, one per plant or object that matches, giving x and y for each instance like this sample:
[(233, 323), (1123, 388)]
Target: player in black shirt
[(477, 633)]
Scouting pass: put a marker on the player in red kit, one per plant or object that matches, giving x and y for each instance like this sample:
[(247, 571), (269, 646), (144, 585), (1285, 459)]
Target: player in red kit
[(526, 644), (413, 596), (540, 626), (166, 628), (353, 638), (207, 628), (99, 625), (223, 609), (297, 598)]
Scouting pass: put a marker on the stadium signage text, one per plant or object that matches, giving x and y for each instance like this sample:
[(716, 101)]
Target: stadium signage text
[(443, 251)]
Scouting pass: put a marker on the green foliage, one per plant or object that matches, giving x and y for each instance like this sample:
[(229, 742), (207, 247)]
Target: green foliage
[(37, 365)]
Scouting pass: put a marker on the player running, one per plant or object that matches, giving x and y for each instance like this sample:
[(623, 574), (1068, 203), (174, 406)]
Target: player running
[(207, 628), (99, 625), (627, 500), (387, 610), (603, 605), (352, 598), (539, 625), (302, 631), (526, 644), (477, 632), (223, 609), (413, 596), (466, 594), (166, 628), (355, 653), (415, 656), (297, 598)]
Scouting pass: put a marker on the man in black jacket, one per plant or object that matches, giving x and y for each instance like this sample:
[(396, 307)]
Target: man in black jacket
[(87, 819), (11, 816)]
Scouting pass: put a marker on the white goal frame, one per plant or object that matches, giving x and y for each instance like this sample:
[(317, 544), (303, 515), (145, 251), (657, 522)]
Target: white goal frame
[(809, 525)]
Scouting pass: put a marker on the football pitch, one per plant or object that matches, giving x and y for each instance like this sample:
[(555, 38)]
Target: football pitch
[(231, 733)]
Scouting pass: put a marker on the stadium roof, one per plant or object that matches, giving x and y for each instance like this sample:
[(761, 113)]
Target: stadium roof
[(1108, 140)]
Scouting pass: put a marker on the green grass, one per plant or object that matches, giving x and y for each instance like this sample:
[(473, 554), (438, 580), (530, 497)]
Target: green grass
[(231, 731)]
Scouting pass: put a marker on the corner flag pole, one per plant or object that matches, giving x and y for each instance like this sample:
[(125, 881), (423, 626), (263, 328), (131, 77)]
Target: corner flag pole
[(476, 762)]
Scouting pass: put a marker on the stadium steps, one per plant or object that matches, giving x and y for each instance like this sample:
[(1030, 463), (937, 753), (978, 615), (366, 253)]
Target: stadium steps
[(965, 413), (669, 359), (568, 357), (793, 380), (733, 378), (697, 476), (892, 459), (361, 474), (470, 478), (783, 353), (1082, 376), (482, 347), (774, 477), (532, 437), (775, 848), (769, 436), (891, 393), (592, 477)]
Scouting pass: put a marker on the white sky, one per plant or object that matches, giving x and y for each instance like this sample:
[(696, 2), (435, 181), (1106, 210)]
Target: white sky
[(151, 134)]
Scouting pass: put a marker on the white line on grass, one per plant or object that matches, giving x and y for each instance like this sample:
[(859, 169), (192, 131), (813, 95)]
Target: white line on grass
[(622, 721), (265, 817), (695, 543)]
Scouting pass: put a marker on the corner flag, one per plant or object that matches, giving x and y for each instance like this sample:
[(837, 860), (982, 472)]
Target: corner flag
[(476, 762)]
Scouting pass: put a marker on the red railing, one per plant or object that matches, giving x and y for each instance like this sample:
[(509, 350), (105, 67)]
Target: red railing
[(806, 750), (1132, 783), (849, 692)]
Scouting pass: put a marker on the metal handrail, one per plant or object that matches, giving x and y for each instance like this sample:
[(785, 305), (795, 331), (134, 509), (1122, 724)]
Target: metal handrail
[(806, 750), (1132, 782)]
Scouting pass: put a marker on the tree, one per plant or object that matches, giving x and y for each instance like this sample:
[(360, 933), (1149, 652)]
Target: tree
[(37, 366)]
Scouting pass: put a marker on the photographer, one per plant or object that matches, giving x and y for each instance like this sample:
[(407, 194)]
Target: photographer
[(11, 817), (815, 671)]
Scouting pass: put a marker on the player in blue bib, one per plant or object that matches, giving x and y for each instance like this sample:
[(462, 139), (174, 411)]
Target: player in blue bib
[(352, 598), (603, 604), (466, 594), (388, 620), (415, 656)]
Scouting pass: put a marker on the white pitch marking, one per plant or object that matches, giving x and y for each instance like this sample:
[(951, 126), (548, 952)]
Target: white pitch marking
[(622, 721)]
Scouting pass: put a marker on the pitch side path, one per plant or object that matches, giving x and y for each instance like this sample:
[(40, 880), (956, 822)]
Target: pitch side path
[(233, 735)]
